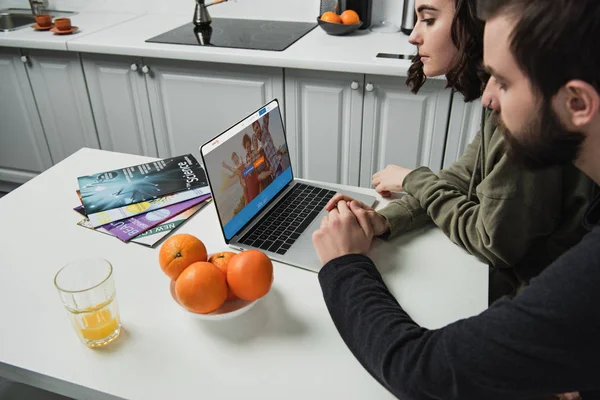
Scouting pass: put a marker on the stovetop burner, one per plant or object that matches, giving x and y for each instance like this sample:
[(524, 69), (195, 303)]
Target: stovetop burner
[(238, 33)]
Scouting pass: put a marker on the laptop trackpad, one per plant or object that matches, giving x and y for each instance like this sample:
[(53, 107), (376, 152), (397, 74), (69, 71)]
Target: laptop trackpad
[(302, 253)]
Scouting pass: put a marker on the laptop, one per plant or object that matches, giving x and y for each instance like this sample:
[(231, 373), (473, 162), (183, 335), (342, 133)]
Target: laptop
[(259, 203)]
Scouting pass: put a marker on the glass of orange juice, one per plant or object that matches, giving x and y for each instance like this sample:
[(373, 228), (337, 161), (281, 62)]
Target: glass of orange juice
[(87, 290)]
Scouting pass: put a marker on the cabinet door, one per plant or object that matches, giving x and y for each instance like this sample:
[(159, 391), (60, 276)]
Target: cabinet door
[(402, 128), (465, 121), (119, 99), (61, 95), (193, 102), (23, 148), (324, 117)]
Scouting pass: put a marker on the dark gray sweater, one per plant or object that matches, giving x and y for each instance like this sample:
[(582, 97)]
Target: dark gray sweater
[(544, 341)]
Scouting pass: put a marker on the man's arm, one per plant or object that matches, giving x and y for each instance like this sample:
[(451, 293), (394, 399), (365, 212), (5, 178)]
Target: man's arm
[(543, 342)]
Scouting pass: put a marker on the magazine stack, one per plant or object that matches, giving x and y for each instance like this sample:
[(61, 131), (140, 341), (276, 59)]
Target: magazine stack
[(143, 203)]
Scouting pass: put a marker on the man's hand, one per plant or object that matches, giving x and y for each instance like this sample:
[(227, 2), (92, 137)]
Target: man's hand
[(379, 224), (344, 231), (390, 180)]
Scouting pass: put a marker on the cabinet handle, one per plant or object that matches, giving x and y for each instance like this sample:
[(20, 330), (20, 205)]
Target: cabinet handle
[(25, 59), (369, 87), (145, 69), (354, 85), (134, 67)]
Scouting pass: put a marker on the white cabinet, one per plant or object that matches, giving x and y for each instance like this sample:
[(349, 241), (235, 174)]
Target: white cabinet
[(324, 123), (402, 128), (60, 92), (23, 148), (192, 102), (163, 108), (465, 122), (117, 89), (342, 127)]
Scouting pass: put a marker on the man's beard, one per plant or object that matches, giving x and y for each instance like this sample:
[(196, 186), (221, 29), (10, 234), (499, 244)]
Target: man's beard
[(543, 142)]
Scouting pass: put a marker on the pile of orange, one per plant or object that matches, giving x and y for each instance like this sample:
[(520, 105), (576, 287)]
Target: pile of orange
[(203, 284), (348, 17)]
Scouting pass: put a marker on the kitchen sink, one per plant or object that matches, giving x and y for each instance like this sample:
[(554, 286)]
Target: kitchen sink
[(16, 18)]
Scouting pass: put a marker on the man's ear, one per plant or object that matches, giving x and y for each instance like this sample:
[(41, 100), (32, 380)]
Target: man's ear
[(582, 103)]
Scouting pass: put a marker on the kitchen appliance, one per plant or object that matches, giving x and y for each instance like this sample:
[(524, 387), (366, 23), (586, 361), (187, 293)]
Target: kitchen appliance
[(409, 17), (238, 33)]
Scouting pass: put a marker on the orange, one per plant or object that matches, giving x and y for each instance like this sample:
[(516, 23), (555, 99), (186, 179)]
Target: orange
[(350, 17), (180, 251), (201, 288), (250, 274), (330, 16), (221, 260)]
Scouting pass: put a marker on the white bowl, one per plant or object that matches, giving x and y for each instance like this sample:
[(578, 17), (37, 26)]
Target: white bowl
[(229, 309)]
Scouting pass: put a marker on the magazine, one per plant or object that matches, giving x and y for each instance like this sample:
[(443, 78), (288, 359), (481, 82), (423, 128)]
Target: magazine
[(117, 214), (155, 235), (139, 183), (129, 228)]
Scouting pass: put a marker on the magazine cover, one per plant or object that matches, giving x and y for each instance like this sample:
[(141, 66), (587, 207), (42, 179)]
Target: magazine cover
[(123, 187), (117, 214), (154, 235), (129, 228)]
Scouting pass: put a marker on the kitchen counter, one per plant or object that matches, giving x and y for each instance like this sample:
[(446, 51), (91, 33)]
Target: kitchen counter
[(88, 22), (127, 34)]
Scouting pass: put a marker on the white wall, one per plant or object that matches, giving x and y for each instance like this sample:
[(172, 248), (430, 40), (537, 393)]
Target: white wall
[(293, 10)]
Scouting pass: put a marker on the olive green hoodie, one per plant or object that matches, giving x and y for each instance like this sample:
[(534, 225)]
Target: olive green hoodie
[(514, 219)]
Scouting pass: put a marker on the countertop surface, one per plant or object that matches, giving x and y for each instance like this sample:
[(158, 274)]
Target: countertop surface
[(126, 34), (286, 347), (87, 22)]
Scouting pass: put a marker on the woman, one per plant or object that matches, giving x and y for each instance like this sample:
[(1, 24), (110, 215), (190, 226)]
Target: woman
[(517, 221)]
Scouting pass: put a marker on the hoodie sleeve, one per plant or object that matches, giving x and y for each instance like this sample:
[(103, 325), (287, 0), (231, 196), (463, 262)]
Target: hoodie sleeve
[(507, 197), (406, 213)]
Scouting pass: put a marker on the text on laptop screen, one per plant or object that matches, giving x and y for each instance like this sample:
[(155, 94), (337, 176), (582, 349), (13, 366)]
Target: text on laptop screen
[(247, 166)]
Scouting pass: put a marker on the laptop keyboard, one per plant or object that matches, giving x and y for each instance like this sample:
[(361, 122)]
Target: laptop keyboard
[(282, 226)]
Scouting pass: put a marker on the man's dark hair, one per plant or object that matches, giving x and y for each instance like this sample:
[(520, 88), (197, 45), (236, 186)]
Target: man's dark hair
[(246, 139), (553, 41), (468, 75)]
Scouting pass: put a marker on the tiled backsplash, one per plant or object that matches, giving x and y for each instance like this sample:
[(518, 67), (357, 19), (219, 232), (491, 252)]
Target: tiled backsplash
[(295, 10)]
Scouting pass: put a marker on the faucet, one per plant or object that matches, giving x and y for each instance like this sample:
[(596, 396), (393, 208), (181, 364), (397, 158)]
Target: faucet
[(38, 6), (201, 15)]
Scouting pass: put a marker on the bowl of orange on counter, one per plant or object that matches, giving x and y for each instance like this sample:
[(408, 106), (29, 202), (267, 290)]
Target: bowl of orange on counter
[(339, 25), (221, 286)]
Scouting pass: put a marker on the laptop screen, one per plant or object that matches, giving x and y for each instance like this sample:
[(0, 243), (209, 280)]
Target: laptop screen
[(247, 166)]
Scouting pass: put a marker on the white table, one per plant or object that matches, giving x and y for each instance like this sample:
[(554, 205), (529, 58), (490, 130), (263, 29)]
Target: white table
[(284, 348)]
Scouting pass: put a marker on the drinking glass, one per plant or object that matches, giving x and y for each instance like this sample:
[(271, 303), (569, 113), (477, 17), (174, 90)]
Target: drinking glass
[(87, 290)]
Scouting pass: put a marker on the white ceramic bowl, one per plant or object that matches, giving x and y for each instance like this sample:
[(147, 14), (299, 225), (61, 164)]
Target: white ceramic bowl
[(229, 309)]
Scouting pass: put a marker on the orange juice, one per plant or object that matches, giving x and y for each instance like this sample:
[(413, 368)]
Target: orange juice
[(99, 325)]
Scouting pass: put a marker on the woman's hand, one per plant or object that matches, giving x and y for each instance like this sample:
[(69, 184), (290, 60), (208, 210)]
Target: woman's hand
[(390, 180)]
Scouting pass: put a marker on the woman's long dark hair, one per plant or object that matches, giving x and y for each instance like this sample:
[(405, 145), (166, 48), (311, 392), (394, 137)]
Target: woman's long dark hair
[(468, 75)]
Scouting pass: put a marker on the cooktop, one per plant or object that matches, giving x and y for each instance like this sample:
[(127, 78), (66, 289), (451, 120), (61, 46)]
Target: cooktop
[(238, 33)]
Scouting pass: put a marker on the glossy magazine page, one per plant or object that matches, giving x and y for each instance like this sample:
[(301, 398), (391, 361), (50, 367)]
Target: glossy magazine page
[(140, 183)]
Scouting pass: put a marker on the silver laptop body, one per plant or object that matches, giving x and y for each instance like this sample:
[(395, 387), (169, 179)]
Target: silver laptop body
[(228, 179)]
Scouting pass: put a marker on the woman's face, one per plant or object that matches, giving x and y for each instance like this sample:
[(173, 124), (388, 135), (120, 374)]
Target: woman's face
[(432, 36)]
